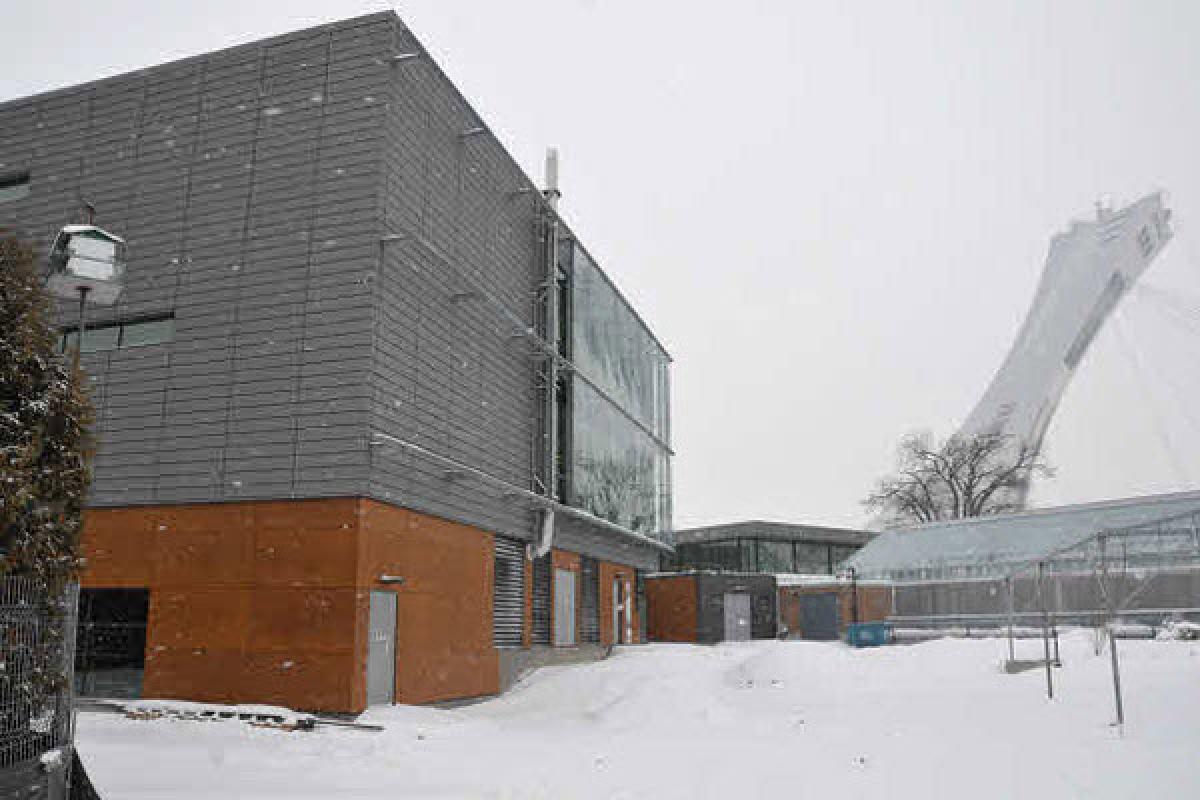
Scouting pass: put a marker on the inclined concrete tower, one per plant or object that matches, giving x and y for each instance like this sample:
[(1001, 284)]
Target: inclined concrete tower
[(1089, 269)]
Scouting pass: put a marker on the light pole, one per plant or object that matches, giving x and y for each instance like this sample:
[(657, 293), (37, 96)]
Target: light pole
[(87, 264)]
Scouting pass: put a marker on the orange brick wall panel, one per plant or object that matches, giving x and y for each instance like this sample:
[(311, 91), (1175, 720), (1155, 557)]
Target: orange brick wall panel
[(203, 557), (275, 542), (305, 556), (671, 611), (239, 590), (315, 620), (874, 604), (118, 549), (208, 618), (444, 610), (302, 680), (563, 559), (324, 679)]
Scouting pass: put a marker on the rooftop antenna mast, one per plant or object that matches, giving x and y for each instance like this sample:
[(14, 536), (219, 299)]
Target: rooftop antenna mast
[(551, 191)]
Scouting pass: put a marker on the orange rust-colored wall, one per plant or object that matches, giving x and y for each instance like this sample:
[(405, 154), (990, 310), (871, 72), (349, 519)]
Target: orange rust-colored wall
[(268, 601), (671, 611), (444, 624), (874, 604), (608, 572), (248, 601)]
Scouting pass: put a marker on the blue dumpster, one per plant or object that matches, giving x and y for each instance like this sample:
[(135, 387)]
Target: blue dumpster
[(868, 634)]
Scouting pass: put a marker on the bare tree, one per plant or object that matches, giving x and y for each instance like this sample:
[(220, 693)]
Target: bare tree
[(972, 476)]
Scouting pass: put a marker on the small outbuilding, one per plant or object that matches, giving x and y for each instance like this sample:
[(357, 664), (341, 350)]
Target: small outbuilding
[(710, 607), (822, 606)]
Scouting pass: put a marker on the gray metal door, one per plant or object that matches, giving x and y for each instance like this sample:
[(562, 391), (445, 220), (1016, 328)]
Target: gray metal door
[(381, 649), (737, 617), (564, 607), (819, 616)]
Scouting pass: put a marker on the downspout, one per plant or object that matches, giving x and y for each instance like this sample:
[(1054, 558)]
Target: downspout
[(550, 400)]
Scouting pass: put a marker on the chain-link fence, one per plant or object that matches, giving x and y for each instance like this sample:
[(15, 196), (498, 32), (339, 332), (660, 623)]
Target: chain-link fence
[(37, 653)]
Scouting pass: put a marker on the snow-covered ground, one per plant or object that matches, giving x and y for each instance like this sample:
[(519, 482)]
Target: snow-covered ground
[(797, 719)]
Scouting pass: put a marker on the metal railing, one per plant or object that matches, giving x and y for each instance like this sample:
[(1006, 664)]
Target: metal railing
[(37, 653)]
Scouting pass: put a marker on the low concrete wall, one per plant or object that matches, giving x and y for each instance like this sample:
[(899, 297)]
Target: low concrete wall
[(515, 663)]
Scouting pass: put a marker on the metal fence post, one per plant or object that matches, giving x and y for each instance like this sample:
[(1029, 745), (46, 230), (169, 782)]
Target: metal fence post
[(1041, 568), (1012, 653)]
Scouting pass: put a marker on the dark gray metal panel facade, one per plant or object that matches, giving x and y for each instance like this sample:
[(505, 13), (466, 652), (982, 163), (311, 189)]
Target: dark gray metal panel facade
[(254, 186), (580, 537), (456, 287), (449, 374), (245, 183)]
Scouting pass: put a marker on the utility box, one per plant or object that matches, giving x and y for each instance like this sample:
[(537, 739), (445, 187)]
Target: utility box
[(868, 634)]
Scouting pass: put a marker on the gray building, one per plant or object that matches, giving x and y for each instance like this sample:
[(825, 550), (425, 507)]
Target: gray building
[(347, 310), (759, 546)]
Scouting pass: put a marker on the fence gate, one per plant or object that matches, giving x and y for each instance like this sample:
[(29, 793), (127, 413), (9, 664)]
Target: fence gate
[(819, 616), (381, 649), (737, 617)]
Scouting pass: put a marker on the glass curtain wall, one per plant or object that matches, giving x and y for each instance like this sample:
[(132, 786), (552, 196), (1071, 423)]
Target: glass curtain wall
[(763, 555), (619, 468)]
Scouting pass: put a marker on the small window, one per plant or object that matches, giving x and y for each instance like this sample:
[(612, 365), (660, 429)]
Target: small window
[(95, 340), (150, 331), (13, 186), (120, 335)]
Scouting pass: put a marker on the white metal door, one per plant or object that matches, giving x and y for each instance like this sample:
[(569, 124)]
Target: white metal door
[(737, 617), (617, 605), (564, 608), (381, 649)]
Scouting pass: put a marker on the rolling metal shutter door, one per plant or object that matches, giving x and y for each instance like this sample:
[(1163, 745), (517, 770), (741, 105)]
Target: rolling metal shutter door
[(541, 600), (508, 593), (589, 602)]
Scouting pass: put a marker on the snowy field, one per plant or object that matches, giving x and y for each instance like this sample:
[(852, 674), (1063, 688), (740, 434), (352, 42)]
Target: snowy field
[(797, 719)]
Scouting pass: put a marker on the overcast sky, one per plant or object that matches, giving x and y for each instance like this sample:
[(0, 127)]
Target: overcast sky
[(834, 215)]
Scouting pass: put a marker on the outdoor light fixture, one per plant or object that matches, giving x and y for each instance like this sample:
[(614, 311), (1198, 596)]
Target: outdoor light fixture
[(392, 579), (87, 264), (88, 261)]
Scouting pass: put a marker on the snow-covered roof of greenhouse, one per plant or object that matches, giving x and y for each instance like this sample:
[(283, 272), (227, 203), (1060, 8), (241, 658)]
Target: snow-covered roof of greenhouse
[(983, 542)]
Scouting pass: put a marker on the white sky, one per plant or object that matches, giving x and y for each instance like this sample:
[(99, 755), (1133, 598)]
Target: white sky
[(833, 214)]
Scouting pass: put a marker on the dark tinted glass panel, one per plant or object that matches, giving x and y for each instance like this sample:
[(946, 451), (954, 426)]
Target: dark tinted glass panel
[(110, 653), (94, 339), (136, 334), (749, 555), (613, 349), (618, 472), (812, 559), (14, 186), (774, 556), (841, 553)]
